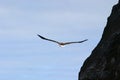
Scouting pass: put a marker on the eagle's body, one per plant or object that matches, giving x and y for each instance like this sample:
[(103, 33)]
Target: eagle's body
[(61, 44)]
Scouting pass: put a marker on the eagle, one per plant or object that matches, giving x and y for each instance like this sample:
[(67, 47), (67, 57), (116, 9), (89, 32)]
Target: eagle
[(61, 44)]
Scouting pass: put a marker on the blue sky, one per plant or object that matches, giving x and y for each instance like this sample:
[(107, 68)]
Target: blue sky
[(24, 56)]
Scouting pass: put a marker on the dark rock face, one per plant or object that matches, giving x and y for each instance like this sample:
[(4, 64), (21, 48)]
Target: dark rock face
[(104, 62)]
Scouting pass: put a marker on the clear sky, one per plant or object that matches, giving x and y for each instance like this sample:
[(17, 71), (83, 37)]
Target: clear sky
[(24, 56)]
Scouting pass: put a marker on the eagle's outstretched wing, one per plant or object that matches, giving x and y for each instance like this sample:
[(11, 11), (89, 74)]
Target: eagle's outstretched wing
[(75, 42), (47, 39)]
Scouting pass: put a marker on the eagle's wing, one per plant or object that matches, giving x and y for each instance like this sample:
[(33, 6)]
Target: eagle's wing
[(75, 42), (47, 39)]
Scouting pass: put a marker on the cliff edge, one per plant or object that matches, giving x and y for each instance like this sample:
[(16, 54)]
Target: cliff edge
[(104, 62)]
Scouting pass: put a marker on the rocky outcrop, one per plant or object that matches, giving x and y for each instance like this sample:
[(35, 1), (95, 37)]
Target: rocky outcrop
[(104, 62)]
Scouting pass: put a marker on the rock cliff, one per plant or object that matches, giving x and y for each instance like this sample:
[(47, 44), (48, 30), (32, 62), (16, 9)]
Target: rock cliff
[(104, 62)]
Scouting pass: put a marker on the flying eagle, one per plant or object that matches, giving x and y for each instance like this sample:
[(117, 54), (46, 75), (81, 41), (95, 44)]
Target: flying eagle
[(61, 44)]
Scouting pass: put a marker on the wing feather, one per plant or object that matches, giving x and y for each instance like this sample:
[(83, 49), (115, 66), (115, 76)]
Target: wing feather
[(75, 42), (47, 39)]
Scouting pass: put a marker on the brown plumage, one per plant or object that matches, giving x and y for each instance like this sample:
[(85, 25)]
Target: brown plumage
[(61, 43)]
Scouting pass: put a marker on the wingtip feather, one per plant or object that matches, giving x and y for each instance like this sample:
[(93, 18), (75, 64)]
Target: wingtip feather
[(40, 36)]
